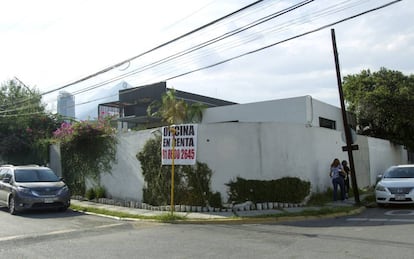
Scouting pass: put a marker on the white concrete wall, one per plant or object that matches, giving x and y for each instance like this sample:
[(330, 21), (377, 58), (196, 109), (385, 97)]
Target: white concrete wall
[(268, 151), (303, 110), (286, 110), (361, 161), (258, 151), (384, 154), (126, 180), (55, 158), (327, 111)]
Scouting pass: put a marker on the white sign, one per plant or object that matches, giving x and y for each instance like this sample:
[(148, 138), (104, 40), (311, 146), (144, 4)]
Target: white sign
[(185, 144)]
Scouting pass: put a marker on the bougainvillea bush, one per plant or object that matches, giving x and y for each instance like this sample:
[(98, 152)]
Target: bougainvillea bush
[(88, 149)]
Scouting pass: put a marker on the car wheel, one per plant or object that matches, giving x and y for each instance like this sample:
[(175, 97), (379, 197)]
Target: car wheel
[(12, 206)]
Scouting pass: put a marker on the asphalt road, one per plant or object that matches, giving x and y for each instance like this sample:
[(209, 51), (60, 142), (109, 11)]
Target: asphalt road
[(376, 233)]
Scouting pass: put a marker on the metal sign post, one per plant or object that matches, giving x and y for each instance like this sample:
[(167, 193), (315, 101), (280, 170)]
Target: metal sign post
[(172, 130)]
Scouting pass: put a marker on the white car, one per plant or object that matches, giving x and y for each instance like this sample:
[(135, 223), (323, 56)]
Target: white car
[(396, 186)]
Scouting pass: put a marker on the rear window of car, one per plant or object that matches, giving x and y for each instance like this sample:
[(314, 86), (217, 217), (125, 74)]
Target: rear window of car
[(400, 172), (35, 175)]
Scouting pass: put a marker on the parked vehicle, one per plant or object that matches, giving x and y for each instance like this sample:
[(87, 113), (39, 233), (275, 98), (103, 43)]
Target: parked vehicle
[(396, 186), (32, 187)]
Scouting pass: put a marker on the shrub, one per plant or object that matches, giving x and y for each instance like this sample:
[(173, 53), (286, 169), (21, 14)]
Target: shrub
[(215, 200), (287, 189), (100, 192), (191, 183), (90, 194)]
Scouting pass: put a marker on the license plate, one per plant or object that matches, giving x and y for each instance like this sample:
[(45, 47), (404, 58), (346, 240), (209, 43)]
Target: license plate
[(399, 197), (49, 200)]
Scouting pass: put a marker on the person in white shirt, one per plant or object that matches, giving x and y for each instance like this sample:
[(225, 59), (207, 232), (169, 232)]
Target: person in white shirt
[(337, 180)]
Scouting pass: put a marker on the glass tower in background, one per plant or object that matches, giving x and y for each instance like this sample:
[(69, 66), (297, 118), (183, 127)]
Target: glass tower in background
[(66, 105)]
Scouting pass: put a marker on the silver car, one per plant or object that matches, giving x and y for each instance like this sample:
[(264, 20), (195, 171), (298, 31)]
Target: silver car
[(32, 187), (396, 186)]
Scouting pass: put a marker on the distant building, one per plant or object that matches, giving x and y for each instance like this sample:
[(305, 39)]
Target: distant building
[(66, 105), (131, 109)]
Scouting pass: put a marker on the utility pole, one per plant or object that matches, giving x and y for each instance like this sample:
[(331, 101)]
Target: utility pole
[(347, 129)]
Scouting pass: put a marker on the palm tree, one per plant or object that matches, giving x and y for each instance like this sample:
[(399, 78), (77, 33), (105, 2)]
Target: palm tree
[(173, 111), (195, 112)]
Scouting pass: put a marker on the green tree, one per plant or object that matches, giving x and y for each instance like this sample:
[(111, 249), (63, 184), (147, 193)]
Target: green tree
[(383, 102), (88, 148), (25, 127), (175, 111)]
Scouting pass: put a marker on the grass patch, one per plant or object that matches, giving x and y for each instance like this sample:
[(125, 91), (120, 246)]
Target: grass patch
[(327, 211), (310, 212), (320, 198), (166, 217), (369, 198)]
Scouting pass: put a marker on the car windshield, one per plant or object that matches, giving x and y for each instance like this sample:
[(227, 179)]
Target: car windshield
[(35, 175), (400, 172)]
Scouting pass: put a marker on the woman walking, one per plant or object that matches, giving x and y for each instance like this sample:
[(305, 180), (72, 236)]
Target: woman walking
[(337, 179)]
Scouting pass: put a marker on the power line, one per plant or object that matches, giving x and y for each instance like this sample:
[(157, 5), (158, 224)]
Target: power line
[(198, 46), (322, 13), (274, 44), (194, 48), (155, 48), (282, 41)]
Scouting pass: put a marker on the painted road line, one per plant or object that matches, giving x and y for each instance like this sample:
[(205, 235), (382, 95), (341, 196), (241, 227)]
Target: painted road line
[(380, 220)]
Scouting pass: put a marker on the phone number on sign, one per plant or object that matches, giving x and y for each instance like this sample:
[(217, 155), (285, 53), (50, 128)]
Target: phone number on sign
[(179, 154)]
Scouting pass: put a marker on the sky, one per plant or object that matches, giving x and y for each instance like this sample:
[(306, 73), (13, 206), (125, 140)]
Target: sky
[(48, 44)]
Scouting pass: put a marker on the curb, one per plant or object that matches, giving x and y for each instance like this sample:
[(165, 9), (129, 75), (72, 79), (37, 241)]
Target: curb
[(115, 217), (236, 220), (264, 220)]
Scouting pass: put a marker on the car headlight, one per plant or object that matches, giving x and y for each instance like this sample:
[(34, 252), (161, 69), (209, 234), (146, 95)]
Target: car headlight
[(380, 188), (64, 189), (24, 190)]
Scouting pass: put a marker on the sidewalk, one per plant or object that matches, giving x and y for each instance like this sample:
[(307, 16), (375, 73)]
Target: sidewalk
[(219, 216)]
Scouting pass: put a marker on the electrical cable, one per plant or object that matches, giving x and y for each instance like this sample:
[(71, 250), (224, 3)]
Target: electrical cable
[(155, 48), (277, 43), (154, 64), (282, 41), (118, 77), (206, 43), (197, 47)]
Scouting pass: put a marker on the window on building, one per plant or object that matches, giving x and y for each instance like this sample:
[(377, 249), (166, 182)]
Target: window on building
[(327, 123)]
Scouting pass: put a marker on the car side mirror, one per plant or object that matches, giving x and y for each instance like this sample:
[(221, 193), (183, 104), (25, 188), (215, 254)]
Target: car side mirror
[(6, 180)]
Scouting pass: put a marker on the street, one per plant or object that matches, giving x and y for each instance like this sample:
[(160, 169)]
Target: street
[(375, 233)]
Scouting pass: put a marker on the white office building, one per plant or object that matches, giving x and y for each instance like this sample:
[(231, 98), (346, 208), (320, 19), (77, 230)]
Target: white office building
[(66, 105)]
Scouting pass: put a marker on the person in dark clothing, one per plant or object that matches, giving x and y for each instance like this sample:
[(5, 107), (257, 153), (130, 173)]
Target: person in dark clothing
[(347, 172)]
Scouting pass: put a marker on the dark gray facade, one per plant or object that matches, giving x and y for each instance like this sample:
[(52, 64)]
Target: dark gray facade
[(131, 109)]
